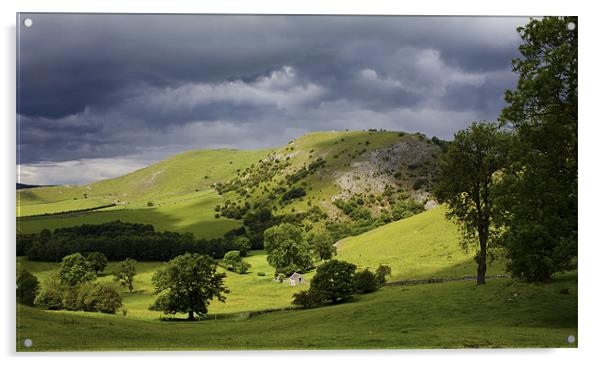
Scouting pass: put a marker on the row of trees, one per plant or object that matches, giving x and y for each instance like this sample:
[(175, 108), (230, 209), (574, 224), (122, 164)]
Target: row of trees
[(336, 281), (512, 187), (118, 241)]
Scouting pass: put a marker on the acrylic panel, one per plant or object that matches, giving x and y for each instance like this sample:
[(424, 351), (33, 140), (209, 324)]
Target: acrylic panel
[(261, 182)]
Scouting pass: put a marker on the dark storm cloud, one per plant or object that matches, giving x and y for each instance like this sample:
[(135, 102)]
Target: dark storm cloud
[(108, 86)]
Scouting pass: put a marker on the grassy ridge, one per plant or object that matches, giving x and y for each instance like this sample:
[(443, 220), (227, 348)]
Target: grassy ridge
[(502, 313), (180, 174)]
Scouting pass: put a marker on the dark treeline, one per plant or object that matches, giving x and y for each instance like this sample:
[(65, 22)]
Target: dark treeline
[(118, 241)]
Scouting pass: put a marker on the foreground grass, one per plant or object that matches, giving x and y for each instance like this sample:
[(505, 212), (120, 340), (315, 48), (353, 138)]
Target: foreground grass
[(503, 313)]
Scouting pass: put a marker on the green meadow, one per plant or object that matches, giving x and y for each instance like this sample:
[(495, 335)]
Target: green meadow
[(503, 313), (192, 212), (424, 246)]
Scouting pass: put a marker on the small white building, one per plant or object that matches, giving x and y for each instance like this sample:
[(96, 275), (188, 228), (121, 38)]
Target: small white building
[(296, 279)]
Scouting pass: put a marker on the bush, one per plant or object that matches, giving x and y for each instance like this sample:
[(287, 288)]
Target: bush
[(260, 273), (307, 299), (234, 262), (150, 204), (418, 184), (27, 287), (333, 281), (294, 193), (382, 272), (365, 282), (98, 298), (243, 244), (107, 299), (49, 298)]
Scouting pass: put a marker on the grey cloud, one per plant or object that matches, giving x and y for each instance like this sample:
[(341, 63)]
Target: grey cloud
[(118, 86)]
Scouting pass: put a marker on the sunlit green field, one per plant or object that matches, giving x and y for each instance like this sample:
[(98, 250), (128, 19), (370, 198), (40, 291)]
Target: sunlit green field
[(60, 206), (192, 212), (424, 246), (248, 292), (421, 247), (502, 313)]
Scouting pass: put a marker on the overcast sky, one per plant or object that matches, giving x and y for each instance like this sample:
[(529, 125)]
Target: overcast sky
[(102, 95)]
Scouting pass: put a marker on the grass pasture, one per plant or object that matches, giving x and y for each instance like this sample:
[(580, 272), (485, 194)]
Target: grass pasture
[(424, 246), (192, 212), (502, 313)]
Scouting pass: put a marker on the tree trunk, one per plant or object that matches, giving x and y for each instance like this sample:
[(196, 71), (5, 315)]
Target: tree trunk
[(190, 315), (482, 268)]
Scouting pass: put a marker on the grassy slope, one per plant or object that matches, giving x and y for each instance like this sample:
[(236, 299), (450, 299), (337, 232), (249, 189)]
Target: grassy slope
[(502, 313), (171, 185), (432, 315), (346, 146), (192, 212), (179, 174), (420, 247), (174, 183), (423, 246)]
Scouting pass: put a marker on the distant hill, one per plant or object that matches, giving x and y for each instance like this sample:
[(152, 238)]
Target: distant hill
[(312, 172), (27, 186)]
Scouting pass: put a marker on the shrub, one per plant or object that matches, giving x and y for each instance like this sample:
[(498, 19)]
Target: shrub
[(243, 244), (418, 184), (260, 273), (27, 287), (307, 299), (49, 298), (107, 298), (294, 193), (365, 282), (234, 262), (333, 281), (150, 204), (382, 272), (95, 297)]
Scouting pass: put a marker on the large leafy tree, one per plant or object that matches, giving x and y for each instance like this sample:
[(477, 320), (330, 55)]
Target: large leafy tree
[(75, 270), (540, 187), (287, 249), (98, 261), (466, 184), (333, 281), (322, 244), (187, 284)]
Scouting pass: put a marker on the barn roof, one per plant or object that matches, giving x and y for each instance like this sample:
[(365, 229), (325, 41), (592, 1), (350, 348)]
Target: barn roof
[(295, 276)]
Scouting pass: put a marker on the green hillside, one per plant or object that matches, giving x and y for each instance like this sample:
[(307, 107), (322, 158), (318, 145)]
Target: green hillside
[(193, 212), (183, 189), (424, 246), (421, 247), (180, 174), (503, 313)]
